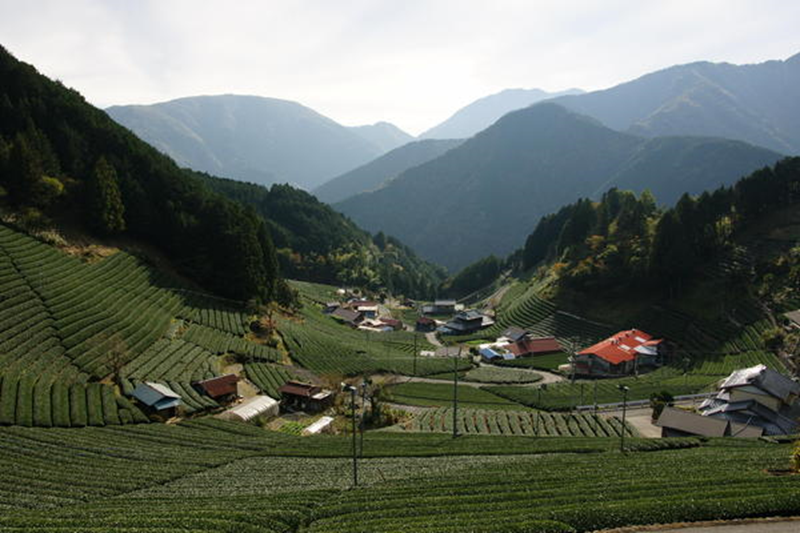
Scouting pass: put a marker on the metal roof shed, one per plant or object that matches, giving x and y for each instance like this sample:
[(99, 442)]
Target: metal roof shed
[(255, 406), (156, 395)]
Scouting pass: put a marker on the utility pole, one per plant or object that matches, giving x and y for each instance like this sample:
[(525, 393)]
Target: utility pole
[(364, 384), (595, 407), (352, 390), (455, 392), (415, 353), (624, 389)]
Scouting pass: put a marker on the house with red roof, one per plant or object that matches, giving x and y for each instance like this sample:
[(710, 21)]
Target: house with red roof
[(529, 346), (623, 353)]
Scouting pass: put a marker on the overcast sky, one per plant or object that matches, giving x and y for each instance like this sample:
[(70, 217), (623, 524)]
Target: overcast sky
[(409, 62)]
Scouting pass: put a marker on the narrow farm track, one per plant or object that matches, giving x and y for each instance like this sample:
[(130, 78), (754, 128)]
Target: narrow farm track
[(547, 377)]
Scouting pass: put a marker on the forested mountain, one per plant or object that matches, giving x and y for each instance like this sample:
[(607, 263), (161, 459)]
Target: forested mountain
[(386, 167), (59, 155), (316, 243), (485, 195), (483, 112), (250, 138), (758, 104), (383, 135), (625, 240)]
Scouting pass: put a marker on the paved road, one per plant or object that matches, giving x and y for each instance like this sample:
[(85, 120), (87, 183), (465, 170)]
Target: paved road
[(761, 526)]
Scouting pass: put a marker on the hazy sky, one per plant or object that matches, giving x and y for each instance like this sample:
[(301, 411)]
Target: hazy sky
[(410, 62)]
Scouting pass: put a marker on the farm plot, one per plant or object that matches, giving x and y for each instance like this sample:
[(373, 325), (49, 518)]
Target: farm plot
[(269, 378), (567, 395), (441, 395), (524, 423), (727, 481), (493, 374), (221, 342)]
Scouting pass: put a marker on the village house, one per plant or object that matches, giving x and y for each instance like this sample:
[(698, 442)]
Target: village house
[(222, 388), (348, 316), (393, 323), (623, 353), (528, 346), (366, 308), (158, 399), (757, 396), (330, 307), (493, 352), (440, 307), (425, 324), (467, 322), (680, 423), (305, 396)]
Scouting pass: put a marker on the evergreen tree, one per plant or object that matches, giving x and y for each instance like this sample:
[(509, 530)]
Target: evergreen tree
[(105, 210)]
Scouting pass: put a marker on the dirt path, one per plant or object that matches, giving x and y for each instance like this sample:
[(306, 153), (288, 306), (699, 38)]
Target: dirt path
[(547, 378), (431, 338)]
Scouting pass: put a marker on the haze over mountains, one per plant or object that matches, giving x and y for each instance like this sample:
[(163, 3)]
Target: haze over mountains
[(454, 203), (487, 194), (757, 103), (483, 112), (377, 172), (250, 138)]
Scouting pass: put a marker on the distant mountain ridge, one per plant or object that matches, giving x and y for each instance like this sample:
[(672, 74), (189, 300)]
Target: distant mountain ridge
[(378, 171), (249, 138), (384, 135), (758, 104), (487, 194), (483, 112)]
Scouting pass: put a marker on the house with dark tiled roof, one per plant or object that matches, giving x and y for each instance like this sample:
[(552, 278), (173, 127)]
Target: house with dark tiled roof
[(757, 396), (220, 388), (621, 354)]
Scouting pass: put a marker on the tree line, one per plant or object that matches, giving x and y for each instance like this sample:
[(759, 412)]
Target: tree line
[(627, 238)]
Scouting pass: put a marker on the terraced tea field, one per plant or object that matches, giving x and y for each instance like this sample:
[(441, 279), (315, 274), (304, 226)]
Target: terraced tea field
[(524, 423), (215, 476), (61, 319)]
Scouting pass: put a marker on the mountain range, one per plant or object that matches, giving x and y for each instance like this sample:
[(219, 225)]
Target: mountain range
[(386, 167), (757, 103), (487, 194), (256, 139), (485, 111)]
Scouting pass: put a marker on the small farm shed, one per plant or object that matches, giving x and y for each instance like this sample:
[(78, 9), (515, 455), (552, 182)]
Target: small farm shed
[(323, 425), (158, 398), (305, 396), (219, 388), (249, 409)]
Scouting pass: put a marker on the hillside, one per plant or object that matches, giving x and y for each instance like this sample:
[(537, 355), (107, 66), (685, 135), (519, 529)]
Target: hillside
[(485, 111), (62, 158), (316, 243), (249, 138), (384, 135), (757, 103), (486, 195), (76, 337), (382, 169)]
